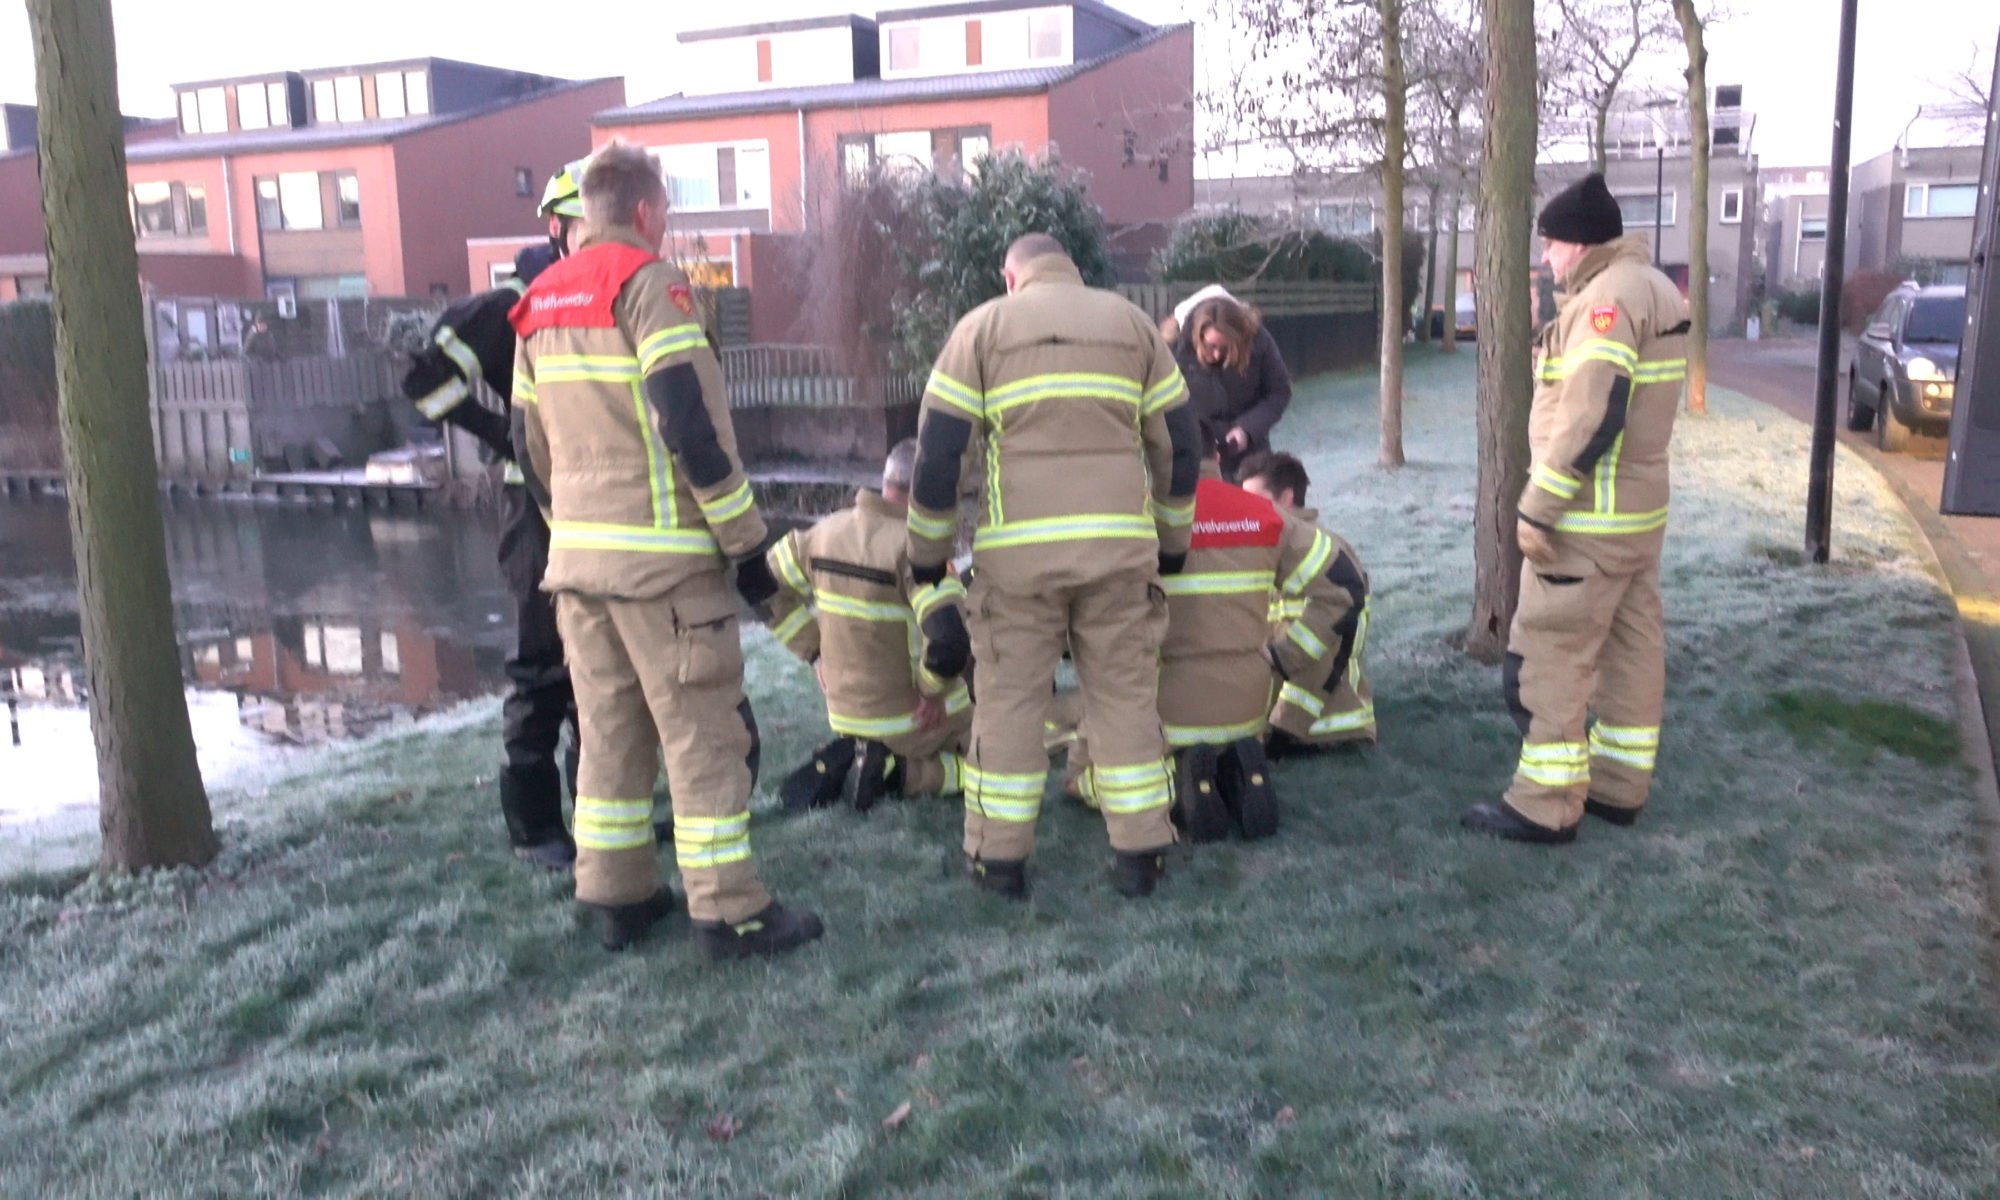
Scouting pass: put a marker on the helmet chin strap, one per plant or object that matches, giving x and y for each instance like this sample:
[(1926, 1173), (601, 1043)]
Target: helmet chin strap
[(559, 240)]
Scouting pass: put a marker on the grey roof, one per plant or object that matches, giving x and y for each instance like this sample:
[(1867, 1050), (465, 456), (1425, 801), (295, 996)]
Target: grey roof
[(967, 8), (837, 21), (320, 137), (865, 93)]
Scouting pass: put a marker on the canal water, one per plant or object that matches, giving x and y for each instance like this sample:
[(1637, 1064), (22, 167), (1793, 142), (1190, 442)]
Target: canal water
[(296, 625)]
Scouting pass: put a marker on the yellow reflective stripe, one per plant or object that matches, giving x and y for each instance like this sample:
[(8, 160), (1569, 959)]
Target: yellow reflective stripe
[(667, 342), (1605, 479), (1342, 722), (447, 397), (1306, 640), (576, 535), (871, 727), (1635, 745), (995, 514), (788, 567), (1551, 369), (1073, 385), (1555, 764), (1131, 789), (1212, 735), (1216, 583), (956, 394), (607, 824), (1554, 482), (1286, 608), (1063, 529), (794, 622), (1660, 370), (586, 368), (836, 605), (659, 463), (1003, 796), (711, 841), (1360, 644), (933, 528), (1174, 515), (1164, 394), (454, 347), (730, 505), (1315, 561), (1293, 694), (1598, 349), (954, 774), (929, 597), (511, 473), (1639, 522), (524, 388)]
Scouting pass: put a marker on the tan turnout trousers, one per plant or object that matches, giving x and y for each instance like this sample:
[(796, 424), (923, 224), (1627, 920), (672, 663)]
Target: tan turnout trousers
[(1113, 629), (663, 674)]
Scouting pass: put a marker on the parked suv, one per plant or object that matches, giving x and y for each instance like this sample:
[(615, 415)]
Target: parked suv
[(1905, 365)]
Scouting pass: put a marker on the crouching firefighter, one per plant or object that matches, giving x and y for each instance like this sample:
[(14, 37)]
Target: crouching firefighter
[(622, 427), (895, 697), (1338, 707), (1589, 635)]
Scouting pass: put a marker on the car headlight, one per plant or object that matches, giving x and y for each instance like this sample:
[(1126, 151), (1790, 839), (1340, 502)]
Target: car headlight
[(1923, 370)]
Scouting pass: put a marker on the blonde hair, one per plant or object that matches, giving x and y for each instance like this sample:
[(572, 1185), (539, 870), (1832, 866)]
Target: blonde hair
[(1236, 322), (620, 178)]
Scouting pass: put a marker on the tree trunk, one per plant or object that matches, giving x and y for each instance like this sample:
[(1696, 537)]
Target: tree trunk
[(152, 808), (1430, 269), (1451, 279), (1506, 382), (1599, 155), (1697, 81), (1395, 306)]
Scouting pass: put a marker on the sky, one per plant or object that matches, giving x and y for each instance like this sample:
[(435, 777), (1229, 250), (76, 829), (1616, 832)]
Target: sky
[(1782, 51)]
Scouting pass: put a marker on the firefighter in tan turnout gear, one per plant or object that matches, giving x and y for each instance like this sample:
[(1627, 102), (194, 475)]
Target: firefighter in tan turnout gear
[(1091, 457), (1338, 707), (623, 429), (1588, 636), (844, 604)]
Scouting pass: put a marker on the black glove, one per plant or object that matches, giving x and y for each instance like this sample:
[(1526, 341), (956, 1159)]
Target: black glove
[(754, 581), (926, 576), (948, 647), (1171, 564)]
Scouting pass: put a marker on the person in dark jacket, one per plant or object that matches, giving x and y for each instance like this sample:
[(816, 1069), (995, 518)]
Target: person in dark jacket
[(1236, 377)]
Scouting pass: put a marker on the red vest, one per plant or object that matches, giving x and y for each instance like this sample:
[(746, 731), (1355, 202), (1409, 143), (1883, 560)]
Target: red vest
[(1226, 517), (579, 290)]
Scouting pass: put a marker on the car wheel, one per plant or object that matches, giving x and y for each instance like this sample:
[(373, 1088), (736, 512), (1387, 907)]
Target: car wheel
[(1860, 418), (1890, 432)]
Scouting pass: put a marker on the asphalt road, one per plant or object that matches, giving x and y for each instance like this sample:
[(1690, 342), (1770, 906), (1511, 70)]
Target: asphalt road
[(1781, 372)]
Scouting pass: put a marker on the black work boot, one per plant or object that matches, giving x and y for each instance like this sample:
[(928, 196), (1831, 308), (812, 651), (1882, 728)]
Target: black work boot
[(771, 932), (622, 924), (1135, 872), (531, 800), (554, 852), (817, 784), (1498, 820), (1198, 802), (1008, 879), (1244, 777), (1617, 814), (877, 772)]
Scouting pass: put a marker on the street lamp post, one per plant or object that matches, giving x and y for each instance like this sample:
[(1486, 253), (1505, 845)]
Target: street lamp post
[(1659, 198), (1833, 276)]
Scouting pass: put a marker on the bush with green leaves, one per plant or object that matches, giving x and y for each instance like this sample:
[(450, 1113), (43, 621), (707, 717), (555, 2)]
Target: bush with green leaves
[(1234, 246), (953, 237), (27, 363)]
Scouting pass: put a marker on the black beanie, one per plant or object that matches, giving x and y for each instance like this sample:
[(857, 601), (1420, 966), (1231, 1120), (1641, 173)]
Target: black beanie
[(1584, 213)]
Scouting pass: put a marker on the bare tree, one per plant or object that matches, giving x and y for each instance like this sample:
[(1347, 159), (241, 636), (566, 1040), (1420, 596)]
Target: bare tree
[(1593, 51), (1395, 306), (1697, 97), (153, 809), (1505, 380)]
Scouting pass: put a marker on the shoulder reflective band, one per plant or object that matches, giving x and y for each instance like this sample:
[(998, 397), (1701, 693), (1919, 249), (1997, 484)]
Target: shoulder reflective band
[(1598, 349), (956, 394), (785, 561), (454, 347), (1170, 390), (1309, 566), (678, 339)]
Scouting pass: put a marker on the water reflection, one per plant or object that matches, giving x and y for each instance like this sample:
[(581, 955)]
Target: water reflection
[(318, 623)]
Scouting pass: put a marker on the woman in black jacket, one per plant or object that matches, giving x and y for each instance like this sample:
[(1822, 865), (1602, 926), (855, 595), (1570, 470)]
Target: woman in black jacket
[(1236, 378)]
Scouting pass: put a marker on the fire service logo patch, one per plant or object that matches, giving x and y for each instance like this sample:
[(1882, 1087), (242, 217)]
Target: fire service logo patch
[(1602, 319)]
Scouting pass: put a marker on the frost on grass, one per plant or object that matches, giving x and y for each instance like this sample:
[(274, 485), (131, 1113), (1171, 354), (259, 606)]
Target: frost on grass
[(1771, 986)]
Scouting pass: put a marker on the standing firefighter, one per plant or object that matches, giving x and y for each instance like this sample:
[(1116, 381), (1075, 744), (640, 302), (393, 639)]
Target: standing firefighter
[(624, 431), (1588, 635), (473, 341), (844, 604), (1335, 707), (1091, 457)]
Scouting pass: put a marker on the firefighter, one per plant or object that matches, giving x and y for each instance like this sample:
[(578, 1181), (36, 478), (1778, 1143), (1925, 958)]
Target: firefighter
[(844, 605), (1588, 635), (472, 340), (1339, 708), (1217, 664), (622, 426), (1091, 456)]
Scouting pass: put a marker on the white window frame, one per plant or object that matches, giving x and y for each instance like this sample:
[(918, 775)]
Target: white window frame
[(323, 103), (755, 146), (347, 99), (1727, 195), (214, 105), (190, 113), (253, 110), (1917, 200), (1921, 211), (389, 87), (417, 93), (278, 102), (1670, 197)]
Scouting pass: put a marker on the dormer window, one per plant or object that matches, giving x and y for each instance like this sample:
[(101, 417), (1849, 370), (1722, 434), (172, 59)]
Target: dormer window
[(992, 41)]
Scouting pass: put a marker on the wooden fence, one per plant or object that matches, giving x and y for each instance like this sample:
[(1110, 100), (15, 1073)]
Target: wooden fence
[(790, 376), (222, 419)]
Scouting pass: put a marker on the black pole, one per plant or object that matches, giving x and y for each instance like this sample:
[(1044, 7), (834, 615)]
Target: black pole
[(1833, 276), (1659, 198)]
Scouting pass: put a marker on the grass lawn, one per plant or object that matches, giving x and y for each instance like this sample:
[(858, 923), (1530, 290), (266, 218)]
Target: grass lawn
[(1775, 985)]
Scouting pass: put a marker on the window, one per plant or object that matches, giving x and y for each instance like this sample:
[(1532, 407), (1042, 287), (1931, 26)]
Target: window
[(417, 93), (1047, 31), (392, 654), (323, 102), (912, 153), (975, 50), (252, 109), (857, 161), (289, 201), (906, 155), (190, 113), (1003, 41), (691, 176), (903, 48), (153, 209), (1935, 319), (278, 99), (498, 273), (753, 177), (269, 214), (1941, 200), (197, 208), (1732, 206), (972, 148), (763, 60), (710, 177), (347, 98), (31, 287), (1344, 218), (524, 182), (389, 102), (1812, 229), (1729, 95), (214, 110), (1639, 209), (347, 200)]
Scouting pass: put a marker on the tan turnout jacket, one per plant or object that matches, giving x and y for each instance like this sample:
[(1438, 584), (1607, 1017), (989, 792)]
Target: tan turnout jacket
[(1611, 369), (1340, 705)]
